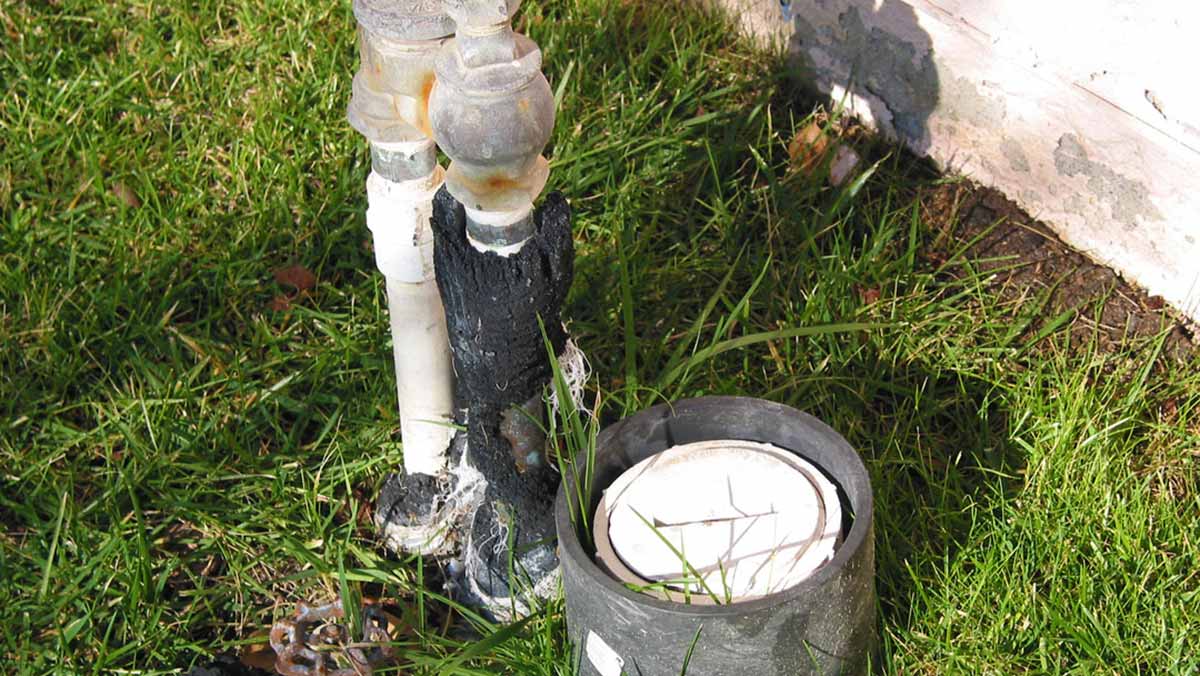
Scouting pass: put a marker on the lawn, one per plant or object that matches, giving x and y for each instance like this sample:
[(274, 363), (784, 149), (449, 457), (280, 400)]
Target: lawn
[(192, 430)]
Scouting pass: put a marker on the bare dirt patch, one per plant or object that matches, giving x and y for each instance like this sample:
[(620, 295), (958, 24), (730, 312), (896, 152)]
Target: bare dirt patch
[(1027, 260)]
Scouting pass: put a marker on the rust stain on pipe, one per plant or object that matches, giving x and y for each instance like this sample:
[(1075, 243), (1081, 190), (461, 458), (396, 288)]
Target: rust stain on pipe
[(424, 123)]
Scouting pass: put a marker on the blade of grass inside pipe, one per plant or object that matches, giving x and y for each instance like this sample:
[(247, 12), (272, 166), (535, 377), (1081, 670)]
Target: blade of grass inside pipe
[(688, 567), (744, 341), (725, 582)]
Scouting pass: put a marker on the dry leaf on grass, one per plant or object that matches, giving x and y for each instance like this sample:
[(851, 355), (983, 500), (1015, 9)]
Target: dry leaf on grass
[(281, 303), (259, 654), (811, 147), (808, 147), (296, 276), (125, 194)]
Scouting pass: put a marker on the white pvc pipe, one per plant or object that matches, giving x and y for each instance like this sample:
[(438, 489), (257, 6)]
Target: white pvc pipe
[(398, 215)]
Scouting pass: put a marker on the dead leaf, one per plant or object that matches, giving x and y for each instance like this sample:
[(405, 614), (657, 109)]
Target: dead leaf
[(1170, 409), (258, 654), (125, 194), (281, 303), (296, 276), (808, 147), (869, 295)]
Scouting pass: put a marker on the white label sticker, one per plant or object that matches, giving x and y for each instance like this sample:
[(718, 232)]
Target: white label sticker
[(605, 659)]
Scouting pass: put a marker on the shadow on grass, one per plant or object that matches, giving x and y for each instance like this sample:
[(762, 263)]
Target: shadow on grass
[(735, 231), (937, 448)]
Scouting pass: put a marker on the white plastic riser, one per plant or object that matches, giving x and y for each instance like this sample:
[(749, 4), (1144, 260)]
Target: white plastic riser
[(398, 216)]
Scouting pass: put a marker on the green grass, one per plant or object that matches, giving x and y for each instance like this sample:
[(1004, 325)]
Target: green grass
[(181, 463)]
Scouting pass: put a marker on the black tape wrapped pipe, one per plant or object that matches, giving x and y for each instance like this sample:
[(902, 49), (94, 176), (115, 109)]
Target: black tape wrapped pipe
[(493, 305)]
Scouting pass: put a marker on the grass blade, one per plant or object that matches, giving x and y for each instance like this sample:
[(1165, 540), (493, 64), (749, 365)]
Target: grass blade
[(707, 353)]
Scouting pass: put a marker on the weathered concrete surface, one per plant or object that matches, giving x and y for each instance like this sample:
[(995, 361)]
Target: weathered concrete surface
[(1085, 113)]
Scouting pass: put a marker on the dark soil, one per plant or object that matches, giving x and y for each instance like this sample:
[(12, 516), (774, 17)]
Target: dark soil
[(408, 499), (227, 665), (1028, 260)]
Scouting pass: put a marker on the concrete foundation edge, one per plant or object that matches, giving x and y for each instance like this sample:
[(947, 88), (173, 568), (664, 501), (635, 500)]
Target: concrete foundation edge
[(1069, 136)]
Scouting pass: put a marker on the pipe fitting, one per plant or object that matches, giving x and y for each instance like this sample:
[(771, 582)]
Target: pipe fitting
[(405, 19), (501, 232), (400, 162), (398, 215), (398, 44), (493, 122), (492, 113), (474, 16)]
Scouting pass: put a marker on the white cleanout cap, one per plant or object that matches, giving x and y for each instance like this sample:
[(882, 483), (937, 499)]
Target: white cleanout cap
[(748, 518)]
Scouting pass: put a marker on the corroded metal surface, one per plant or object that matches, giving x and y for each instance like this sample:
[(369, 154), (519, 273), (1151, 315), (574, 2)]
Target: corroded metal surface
[(521, 426), (398, 42), (404, 19), (317, 642), (492, 113), (390, 91)]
